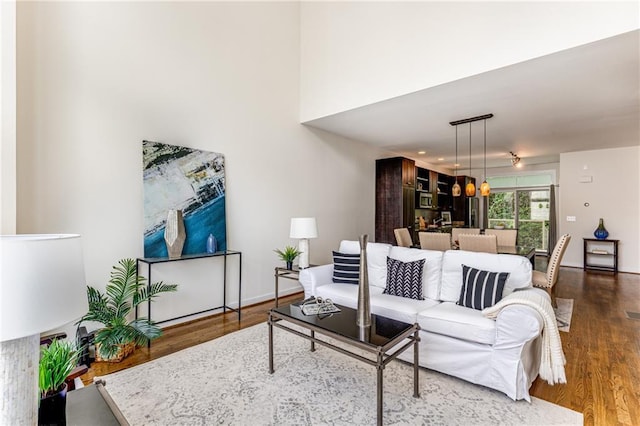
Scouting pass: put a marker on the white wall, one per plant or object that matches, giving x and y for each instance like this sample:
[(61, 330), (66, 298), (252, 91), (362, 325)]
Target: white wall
[(612, 195), (358, 53), (7, 117), (95, 79)]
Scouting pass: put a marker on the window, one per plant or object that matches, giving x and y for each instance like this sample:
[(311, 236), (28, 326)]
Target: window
[(522, 202)]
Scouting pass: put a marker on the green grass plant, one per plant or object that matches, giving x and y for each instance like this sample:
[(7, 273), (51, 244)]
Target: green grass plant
[(56, 362)]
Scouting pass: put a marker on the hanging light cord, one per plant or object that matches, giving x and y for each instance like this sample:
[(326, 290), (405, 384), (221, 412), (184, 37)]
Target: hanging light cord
[(485, 150), (469, 148), (456, 165)]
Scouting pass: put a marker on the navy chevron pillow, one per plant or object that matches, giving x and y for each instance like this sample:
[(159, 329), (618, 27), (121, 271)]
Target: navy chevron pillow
[(481, 289), (346, 268), (404, 279)]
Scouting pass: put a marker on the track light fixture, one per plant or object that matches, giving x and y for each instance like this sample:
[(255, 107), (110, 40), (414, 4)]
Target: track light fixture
[(515, 160)]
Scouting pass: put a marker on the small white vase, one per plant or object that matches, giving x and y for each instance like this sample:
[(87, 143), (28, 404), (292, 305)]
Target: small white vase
[(174, 233)]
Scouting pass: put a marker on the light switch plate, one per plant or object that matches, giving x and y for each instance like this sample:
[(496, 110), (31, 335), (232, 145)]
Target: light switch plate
[(571, 218)]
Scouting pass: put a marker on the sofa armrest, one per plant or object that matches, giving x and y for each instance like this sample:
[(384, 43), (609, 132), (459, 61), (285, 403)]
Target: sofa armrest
[(316, 276), (516, 325)]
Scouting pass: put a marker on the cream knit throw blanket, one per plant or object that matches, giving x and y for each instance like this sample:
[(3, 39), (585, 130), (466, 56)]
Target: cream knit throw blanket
[(552, 358)]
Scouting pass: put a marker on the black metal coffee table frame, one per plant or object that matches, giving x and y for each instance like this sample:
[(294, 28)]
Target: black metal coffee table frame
[(345, 330)]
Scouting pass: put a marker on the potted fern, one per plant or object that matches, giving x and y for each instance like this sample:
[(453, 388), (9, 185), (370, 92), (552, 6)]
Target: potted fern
[(288, 255), (119, 336), (56, 362)]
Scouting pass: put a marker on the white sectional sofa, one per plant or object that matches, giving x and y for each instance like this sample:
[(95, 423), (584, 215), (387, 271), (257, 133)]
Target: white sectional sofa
[(502, 354)]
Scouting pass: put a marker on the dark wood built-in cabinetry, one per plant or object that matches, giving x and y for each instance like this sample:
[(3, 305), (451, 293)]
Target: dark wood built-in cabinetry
[(395, 197), (460, 205), (404, 192)]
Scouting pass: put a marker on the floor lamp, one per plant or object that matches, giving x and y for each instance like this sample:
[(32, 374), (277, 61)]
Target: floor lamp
[(42, 287), (303, 228)]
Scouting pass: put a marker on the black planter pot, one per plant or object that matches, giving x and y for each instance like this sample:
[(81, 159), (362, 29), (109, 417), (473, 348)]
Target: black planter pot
[(53, 409), (289, 265)]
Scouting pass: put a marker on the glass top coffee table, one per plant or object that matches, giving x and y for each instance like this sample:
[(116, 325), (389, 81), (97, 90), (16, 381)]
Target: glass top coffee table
[(378, 339)]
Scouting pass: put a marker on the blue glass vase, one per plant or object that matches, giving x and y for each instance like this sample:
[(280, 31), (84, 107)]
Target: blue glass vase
[(212, 244), (601, 233)]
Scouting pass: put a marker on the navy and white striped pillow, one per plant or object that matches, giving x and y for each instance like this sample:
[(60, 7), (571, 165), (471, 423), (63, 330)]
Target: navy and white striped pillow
[(404, 279), (481, 289), (346, 268)]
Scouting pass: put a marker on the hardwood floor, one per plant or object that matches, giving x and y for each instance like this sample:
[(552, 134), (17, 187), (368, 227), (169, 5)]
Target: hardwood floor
[(602, 348)]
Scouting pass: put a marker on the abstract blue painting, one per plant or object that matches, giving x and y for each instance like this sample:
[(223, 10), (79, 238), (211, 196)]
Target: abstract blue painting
[(177, 177)]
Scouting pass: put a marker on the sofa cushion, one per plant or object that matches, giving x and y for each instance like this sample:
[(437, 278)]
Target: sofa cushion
[(344, 294), (346, 268), (376, 260), (518, 267), (481, 289), (399, 308), (457, 321), (404, 279), (431, 273)]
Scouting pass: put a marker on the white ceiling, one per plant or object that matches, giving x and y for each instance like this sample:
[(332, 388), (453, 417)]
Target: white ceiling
[(579, 99)]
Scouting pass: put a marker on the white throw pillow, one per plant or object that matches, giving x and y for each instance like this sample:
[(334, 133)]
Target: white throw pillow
[(376, 260), (431, 273), (519, 269)]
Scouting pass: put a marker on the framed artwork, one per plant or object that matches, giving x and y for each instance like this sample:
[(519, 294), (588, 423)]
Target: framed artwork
[(191, 180), (446, 218)]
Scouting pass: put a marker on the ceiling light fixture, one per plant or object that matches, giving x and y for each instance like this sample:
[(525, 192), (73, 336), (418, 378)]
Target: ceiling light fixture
[(455, 189), (515, 160), (485, 189), (470, 189)]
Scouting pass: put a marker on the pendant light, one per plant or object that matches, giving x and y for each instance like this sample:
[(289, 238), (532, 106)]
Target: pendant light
[(455, 189), (484, 188), (470, 189)]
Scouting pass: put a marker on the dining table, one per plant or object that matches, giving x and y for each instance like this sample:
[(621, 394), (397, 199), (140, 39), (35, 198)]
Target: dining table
[(528, 252)]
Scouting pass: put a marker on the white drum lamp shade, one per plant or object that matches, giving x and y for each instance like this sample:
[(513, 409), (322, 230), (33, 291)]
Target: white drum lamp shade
[(303, 228), (42, 287)]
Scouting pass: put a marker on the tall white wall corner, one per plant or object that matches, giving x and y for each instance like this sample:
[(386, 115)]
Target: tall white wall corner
[(8, 117)]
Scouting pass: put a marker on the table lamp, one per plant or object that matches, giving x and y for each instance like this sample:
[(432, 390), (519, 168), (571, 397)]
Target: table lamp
[(42, 287), (303, 228)]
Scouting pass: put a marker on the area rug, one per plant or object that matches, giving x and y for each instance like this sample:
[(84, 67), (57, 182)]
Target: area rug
[(563, 313), (226, 381)]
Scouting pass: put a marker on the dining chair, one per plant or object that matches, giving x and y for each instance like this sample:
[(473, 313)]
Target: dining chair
[(457, 231), (547, 280), (403, 237), (440, 241), (506, 237), (483, 243)]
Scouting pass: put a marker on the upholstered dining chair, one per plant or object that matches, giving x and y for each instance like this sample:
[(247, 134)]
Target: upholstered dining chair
[(547, 280), (457, 231), (506, 237), (440, 241), (403, 237), (483, 243)]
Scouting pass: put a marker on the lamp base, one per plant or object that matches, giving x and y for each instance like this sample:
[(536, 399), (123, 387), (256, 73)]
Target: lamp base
[(303, 259), (19, 359)]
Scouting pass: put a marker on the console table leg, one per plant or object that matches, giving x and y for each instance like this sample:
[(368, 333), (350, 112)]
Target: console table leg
[(313, 344)]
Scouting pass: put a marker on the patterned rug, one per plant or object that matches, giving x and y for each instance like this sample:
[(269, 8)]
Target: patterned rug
[(563, 313), (226, 381)]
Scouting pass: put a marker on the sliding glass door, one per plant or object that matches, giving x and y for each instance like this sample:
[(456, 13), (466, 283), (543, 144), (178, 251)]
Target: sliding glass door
[(524, 209)]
